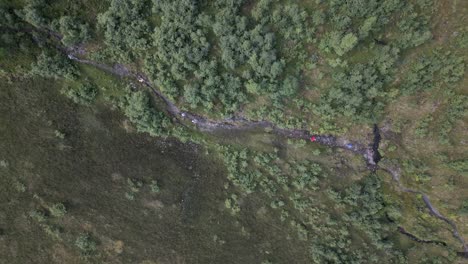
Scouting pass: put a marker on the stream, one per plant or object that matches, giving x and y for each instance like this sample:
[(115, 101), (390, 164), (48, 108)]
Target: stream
[(395, 172), (369, 152), (419, 240)]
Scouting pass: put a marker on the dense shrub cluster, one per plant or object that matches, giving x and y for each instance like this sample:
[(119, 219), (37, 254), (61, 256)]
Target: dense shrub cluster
[(214, 56), (433, 70), (125, 28), (84, 93), (73, 31), (86, 244), (295, 189), (356, 20), (9, 19), (354, 93), (457, 107), (367, 214), (461, 166), (34, 13), (54, 65), (146, 118)]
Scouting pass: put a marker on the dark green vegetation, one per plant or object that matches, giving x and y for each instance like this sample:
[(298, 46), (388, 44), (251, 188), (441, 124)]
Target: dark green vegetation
[(79, 185)]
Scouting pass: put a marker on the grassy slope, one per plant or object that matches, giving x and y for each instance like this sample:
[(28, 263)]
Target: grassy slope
[(88, 170)]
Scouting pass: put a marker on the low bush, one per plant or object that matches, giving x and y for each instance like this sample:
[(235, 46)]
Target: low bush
[(86, 244), (85, 93)]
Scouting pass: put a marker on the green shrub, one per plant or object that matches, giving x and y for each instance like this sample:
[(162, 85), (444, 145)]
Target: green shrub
[(393, 213), (433, 70), (52, 231), (134, 185), (138, 109), (154, 187), (464, 208), (59, 134), (37, 215), (422, 129), (414, 29), (73, 31), (354, 93), (19, 186), (130, 196), (125, 28), (85, 93), (85, 244), (55, 66), (58, 210), (33, 13), (276, 204), (301, 230), (460, 166), (231, 203)]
